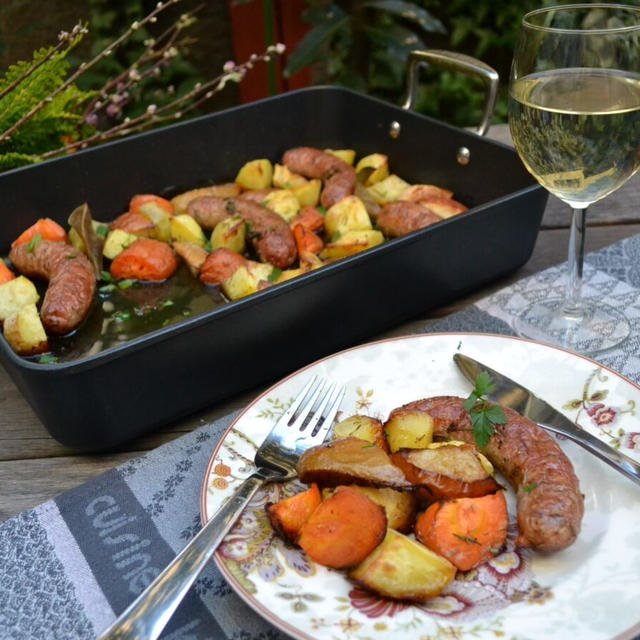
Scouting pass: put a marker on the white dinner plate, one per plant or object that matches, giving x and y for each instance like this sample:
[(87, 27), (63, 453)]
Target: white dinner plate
[(590, 590)]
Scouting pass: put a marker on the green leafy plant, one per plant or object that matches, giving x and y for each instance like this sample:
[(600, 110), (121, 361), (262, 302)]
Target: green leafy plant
[(484, 415), (363, 44), (44, 111)]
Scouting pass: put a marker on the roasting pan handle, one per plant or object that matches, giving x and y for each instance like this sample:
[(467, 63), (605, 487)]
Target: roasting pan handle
[(454, 62)]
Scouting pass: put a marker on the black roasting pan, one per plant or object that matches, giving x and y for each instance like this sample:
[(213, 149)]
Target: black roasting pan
[(105, 399)]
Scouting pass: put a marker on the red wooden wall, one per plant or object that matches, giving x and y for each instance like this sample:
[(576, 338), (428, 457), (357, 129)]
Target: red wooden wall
[(248, 32)]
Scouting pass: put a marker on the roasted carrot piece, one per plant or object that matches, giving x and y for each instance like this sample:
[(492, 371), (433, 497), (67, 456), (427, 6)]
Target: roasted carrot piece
[(466, 531), (47, 228), (144, 259), (288, 515), (344, 529), (310, 218), (5, 273), (220, 264), (143, 198), (305, 239)]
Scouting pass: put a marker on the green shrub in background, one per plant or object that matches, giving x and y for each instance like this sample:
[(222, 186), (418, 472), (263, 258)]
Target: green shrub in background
[(364, 44)]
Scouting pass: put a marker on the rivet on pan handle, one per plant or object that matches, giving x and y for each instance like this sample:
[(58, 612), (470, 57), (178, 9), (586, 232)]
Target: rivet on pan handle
[(454, 62)]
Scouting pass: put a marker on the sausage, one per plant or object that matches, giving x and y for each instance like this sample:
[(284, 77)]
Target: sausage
[(402, 216), (550, 505), (256, 195), (338, 176), (71, 279), (209, 210), (268, 232)]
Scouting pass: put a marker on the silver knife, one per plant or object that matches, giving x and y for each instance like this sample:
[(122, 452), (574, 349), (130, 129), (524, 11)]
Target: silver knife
[(509, 393)]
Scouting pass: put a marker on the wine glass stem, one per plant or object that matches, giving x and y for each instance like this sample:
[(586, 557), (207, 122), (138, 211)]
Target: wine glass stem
[(573, 298)]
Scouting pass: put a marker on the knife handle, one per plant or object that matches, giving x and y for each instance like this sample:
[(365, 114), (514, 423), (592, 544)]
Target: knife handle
[(613, 458)]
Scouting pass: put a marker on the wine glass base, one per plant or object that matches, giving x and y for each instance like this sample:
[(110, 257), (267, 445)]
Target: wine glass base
[(599, 327)]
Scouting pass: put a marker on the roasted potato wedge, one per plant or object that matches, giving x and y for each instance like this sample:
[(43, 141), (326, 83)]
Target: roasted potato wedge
[(362, 427), (255, 174), (24, 331), (403, 569), (15, 294), (192, 254), (400, 506), (160, 218), (228, 190), (420, 192), (375, 166), (284, 178), (448, 471), (185, 228), (388, 189), (444, 207), (116, 241), (308, 194), (349, 461), (348, 155), (348, 214), (230, 233), (351, 242), (283, 202), (407, 429)]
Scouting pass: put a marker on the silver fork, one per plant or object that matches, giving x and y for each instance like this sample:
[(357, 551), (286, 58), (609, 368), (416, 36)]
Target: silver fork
[(296, 430)]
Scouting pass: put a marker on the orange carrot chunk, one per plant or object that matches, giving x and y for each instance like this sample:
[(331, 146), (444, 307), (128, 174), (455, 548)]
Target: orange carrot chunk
[(144, 198), (46, 228), (220, 265), (305, 239), (344, 529), (310, 218), (144, 259), (5, 273), (288, 515), (466, 531)]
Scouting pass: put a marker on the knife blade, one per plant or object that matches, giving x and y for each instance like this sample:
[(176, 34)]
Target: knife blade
[(509, 393)]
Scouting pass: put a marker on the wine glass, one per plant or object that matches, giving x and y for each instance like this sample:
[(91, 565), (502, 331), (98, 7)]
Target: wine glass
[(574, 116)]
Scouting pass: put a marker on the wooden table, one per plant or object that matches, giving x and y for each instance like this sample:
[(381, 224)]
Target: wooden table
[(34, 467)]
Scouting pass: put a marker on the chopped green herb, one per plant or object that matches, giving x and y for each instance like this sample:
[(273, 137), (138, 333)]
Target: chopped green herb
[(165, 303), (528, 488), (71, 256), (106, 276), (102, 229), (121, 316), (247, 227), (483, 414), (207, 246), (47, 358), (126, 283), (368, 446), (494, 550), (107, 288), (321, 209), (335, 237), (186, 312), (459, 345), (275, 274), (33, 242)]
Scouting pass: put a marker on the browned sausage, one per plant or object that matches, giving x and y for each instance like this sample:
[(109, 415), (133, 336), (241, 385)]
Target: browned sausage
[(338, 176), (268, 232), (71, 279), (256, 195), (401, 217), (550, 504), (209, 210)]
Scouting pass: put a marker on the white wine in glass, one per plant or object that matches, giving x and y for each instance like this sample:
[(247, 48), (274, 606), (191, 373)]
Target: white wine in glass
[(574, 116)]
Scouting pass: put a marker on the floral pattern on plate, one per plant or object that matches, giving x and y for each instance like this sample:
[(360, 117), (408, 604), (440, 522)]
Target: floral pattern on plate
[(519, 594)]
